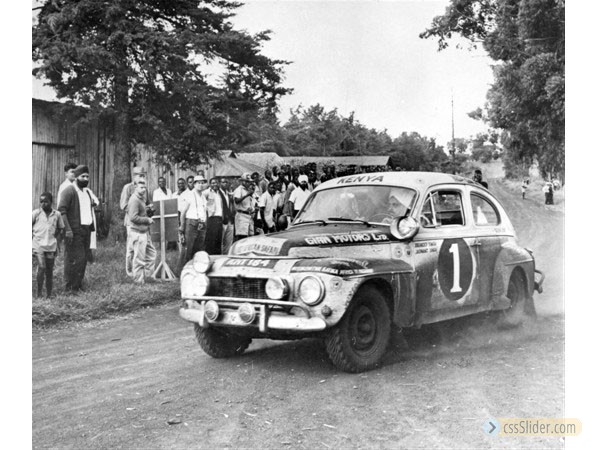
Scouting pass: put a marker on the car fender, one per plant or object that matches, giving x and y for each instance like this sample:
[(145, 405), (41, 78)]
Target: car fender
[(510, 257), (393, 278)]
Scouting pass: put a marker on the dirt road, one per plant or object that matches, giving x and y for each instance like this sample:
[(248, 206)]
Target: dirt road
[(117, 383)]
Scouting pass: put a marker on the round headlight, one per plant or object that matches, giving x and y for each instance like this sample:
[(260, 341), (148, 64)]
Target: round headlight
[(211, 310), (201, 262), (311, 290), (247, 313), (276, 288), (199, 285), (404, 228)]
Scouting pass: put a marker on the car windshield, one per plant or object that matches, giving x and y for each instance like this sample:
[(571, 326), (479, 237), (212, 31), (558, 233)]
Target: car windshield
[(375, 204)]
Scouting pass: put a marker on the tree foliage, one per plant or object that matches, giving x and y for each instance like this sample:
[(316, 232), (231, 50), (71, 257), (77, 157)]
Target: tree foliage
[(174, 74), (315, 131), (527, 99)]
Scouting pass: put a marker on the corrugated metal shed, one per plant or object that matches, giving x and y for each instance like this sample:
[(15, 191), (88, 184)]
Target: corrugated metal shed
[(227, 166), (363, 161), (265, 160)]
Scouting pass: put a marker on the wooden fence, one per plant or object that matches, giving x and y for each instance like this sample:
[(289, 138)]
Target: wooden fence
[(144, 158), (58, 139)]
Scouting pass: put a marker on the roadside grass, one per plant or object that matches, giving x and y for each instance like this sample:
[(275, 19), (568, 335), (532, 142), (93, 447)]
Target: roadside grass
[(108, 290)]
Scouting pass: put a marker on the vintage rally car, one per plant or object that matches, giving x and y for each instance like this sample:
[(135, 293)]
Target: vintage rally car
[(367, 254)]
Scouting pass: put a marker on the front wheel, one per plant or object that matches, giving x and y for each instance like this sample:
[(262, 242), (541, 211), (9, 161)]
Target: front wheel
[(219, 344), (522, 305), (360, 339)]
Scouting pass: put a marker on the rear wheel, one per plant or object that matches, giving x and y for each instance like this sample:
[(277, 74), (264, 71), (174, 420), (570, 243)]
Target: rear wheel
[(360, 339), (522, 305), (219, 344)]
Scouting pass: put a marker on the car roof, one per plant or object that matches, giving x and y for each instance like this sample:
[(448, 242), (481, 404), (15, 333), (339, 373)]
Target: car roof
[(413, 180)]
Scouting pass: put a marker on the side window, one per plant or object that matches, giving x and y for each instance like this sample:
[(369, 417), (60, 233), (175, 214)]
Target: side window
[(483, 211), (442, 208)]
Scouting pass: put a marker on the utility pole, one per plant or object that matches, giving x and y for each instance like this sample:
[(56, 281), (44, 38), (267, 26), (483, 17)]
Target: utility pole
[(452, 151)]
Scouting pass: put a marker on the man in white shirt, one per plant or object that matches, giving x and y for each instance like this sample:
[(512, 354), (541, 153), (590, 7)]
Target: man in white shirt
[(245, 207), (217, 209), (268, 204), (70, 177), (299, 195), (227, 234), (162, 192), (181, 188), (193, 218)]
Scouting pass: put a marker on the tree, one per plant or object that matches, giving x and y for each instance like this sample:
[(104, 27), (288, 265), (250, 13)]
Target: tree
[(527, 100), (315, 131), (150, 65), (412, 151)]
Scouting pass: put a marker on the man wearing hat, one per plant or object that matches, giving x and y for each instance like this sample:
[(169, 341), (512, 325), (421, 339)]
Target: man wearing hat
[(299, 195), (69, 169), (76, 208), (193, 218), (138, 173), (245, 207)]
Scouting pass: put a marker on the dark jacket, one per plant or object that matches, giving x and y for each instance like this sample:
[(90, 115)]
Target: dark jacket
[(70, 209)]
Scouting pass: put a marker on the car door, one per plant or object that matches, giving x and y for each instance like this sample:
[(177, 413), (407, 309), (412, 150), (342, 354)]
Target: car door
[(445, 256), (487, 221)]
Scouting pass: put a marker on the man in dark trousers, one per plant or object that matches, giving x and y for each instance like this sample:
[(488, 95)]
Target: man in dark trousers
[(218, 212), (193, 217), (76, 210), (228, 219)]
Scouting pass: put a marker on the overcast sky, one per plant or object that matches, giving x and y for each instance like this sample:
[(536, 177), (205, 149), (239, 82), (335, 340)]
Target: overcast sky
[(366, 57)]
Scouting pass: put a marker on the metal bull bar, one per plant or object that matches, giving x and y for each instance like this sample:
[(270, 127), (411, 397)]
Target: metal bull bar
[(194, 311)]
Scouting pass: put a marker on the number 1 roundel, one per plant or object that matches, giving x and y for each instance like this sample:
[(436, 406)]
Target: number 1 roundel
[(455, 268)]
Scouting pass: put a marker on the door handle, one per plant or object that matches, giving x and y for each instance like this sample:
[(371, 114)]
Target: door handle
[(476, 243)]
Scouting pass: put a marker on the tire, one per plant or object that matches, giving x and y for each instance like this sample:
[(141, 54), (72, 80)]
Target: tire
[(360, 339), (219, 344), (522, 305)]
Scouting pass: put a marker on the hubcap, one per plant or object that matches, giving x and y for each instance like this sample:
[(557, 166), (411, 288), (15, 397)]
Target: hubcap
[(363, 329)]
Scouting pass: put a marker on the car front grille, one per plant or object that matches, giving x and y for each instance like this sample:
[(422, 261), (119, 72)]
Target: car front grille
[(238, 287)]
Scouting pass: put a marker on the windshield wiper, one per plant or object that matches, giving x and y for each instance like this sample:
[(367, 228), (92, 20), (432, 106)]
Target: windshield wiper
[(321, 221), (346, 219)]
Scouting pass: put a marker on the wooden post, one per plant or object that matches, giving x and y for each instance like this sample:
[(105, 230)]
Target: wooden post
[(166, 272)]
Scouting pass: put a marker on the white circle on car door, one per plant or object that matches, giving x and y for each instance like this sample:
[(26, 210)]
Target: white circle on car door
[(456, 268)]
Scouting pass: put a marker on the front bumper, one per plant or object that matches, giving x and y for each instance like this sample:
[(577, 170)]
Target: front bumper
[(266, 320)]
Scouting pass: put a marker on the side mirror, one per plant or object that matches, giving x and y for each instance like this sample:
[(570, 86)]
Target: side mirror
[(404, 228)]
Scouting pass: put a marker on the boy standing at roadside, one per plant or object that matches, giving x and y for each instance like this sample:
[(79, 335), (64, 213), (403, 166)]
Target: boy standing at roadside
[(47, 229)]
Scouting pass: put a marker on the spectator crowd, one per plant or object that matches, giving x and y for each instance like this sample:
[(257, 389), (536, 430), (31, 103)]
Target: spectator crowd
[(212, 214)]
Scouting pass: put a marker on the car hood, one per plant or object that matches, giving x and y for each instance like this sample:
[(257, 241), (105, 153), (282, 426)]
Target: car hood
[(332, 235)]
